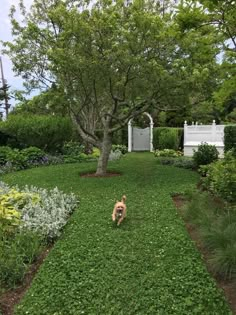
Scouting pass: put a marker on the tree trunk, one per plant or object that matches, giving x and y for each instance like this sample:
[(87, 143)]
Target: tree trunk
[(104, 155)]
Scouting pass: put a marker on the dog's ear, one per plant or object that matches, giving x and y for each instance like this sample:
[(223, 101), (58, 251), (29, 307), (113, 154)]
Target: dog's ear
[(123, 198)]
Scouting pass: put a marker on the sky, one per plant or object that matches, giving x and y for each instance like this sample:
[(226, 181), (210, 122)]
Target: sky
[(5, 35)]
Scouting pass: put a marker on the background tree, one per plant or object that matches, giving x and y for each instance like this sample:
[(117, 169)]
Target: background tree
[(198, 15)]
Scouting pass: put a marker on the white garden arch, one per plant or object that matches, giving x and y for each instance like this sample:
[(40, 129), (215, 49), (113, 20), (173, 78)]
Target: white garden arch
[(140, 139)]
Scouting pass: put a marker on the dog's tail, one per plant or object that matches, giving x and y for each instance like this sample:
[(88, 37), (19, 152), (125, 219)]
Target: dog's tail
[(123, 199)]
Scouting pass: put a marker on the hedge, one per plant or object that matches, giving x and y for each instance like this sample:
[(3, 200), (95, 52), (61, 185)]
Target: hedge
[(167, 138), (229, 137), (45, 132)]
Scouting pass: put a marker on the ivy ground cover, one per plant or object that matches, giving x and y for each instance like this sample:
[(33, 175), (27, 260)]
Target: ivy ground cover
[(148, 265)]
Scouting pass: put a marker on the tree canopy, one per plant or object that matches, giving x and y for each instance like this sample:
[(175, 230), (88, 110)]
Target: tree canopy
[(113, 60)]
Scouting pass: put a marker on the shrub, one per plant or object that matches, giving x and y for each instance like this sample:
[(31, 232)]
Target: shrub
[(16, 159), (17, 252), (122, 148), (72, 148), (4, 152), (115, 155), (205, 154), (42, 211), (45, 132), (221, 178), (34, 155), (229, 138), (217, 229), (182, 162), (167, 138), (167, 153)]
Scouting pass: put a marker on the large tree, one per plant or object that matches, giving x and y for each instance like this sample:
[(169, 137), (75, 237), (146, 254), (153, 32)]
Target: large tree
[(113, 60), (197, 15)]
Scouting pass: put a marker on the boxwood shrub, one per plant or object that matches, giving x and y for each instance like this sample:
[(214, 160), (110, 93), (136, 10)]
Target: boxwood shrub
[(167, 138), (45, 132)]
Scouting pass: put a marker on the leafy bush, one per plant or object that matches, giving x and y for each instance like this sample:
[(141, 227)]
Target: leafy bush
[(4, 152), (122, 148), (205, 154), (28, 218), (17, 252), (15, 159), (42, 211), (45, 132), (182, 162), (9, 216), (216, 224), (229, 138), (167, 153), (167, 138), (115, 155), (221, 178), (72, 148), (34, 155)]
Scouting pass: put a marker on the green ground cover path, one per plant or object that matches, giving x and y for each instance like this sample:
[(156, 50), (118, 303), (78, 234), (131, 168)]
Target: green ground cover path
[(148, 265)]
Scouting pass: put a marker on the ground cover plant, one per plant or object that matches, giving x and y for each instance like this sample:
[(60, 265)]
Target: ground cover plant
[(30, 219), (215, 222), (148, 265)]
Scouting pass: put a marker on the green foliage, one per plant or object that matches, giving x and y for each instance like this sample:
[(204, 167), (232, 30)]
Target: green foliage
[(182, 162), (45, 132), (28, 219), (33, 155), (4, 153), (72, 148), (122, 148), (205, 154), (18, 251), (221, 177), (9, 216), (15, 159), (229, 138), (167, 138), (167, 153), (216, 223)]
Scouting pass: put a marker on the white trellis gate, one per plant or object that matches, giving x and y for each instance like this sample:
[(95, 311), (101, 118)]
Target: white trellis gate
[(140, 139)]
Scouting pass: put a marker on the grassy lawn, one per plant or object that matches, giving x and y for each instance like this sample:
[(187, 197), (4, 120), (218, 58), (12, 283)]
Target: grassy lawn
[(148, 265)]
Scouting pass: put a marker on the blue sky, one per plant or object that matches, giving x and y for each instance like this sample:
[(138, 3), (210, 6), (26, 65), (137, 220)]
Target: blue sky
[(5, 35)]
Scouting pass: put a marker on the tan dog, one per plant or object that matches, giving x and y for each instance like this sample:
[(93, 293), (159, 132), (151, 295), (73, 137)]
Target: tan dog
[(119, 211)]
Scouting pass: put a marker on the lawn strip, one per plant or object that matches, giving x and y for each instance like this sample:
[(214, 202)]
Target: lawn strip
[(148, 265)]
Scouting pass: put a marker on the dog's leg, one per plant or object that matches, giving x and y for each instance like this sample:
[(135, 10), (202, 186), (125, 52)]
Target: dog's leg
[(114, 214), (120, 220)]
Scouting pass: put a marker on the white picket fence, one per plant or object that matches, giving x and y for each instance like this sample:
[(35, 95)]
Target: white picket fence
[(196, 134)]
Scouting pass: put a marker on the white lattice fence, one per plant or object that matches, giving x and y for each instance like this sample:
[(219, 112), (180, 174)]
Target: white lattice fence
[(196, 134)]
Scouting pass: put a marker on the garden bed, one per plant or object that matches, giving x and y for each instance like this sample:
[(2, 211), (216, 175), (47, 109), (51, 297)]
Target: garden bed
[(228, 286)]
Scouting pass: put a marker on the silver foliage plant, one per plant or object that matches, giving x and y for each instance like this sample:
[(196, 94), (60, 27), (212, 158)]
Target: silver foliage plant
[(44, 211), (115, 155)]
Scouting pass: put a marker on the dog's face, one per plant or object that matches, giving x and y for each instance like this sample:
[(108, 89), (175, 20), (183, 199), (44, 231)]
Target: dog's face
[(119, 208)]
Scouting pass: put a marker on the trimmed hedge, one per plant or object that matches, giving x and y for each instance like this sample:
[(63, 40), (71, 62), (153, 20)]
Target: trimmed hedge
[(167, 138), (229, 137), (45, 132)]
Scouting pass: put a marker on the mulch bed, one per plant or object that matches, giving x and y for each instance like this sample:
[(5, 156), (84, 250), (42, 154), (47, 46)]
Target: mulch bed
[(228, 286), (10, 298)]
